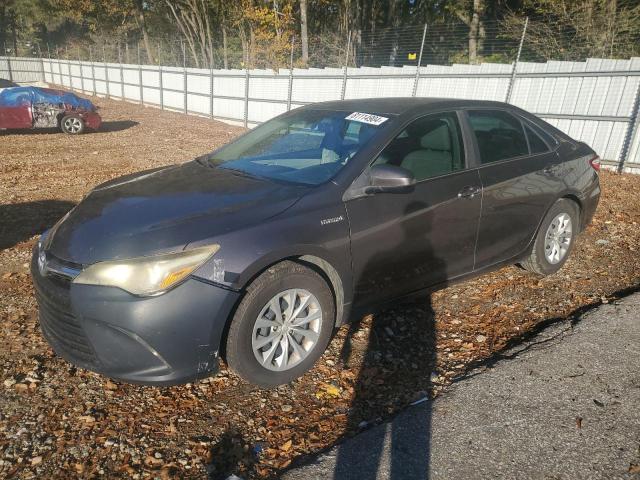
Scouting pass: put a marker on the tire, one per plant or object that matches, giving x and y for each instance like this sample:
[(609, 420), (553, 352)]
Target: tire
[(72, 124), (539, 261), (281, 282)]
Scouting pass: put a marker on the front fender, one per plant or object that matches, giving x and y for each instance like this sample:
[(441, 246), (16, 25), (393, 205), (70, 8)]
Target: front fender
[(296, 234)]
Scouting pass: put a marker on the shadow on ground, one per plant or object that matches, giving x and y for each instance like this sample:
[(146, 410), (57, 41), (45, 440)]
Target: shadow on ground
[(105, 127), (21, 221), (116, 126)]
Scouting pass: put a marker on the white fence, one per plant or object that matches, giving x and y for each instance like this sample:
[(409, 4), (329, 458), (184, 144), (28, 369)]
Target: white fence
[(594, 101)]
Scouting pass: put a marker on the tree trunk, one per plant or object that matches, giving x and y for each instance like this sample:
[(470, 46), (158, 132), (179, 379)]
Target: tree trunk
[(3, 31), (245, 47), (394, 15), (474, 29), (252, 47), (225, 53), (15, 36), (276, 19), (143, 29), (303, 32), (183, 24), (612, 20)]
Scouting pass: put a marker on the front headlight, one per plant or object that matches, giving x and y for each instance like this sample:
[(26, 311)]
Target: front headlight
[(147, 275)]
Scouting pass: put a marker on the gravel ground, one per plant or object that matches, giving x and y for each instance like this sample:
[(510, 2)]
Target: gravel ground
[(57, 421), (530, 416)]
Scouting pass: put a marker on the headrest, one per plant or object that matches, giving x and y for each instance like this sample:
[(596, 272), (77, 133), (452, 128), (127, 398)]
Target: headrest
[(437, 139)]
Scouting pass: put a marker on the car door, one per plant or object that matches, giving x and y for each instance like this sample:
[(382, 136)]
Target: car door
[(518, 171), (15, 108), (403, 242)]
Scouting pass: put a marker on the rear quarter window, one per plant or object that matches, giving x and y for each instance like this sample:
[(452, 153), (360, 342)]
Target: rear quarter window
[(536, 144)]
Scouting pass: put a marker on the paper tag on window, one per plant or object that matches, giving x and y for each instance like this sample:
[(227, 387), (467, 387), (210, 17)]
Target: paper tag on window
[(367, 118)]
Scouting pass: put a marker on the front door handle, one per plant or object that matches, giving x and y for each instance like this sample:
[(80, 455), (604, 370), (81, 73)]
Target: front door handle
[(469, 191), (548, 170)]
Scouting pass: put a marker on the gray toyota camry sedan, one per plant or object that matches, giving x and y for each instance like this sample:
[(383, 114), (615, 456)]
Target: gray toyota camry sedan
[(257, 252)]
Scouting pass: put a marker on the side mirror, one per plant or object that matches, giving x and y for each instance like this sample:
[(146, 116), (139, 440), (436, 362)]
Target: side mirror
[(390, 179)]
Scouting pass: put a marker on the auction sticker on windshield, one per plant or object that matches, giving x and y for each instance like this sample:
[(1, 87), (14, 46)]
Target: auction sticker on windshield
[(367, 118)]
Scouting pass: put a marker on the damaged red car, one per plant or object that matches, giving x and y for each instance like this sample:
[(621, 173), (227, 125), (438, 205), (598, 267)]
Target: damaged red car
[(35, 107)]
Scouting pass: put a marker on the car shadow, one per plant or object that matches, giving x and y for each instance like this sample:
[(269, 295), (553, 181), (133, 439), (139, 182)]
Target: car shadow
[(105, 127), (21, 221), (408, 325), (116, 126)]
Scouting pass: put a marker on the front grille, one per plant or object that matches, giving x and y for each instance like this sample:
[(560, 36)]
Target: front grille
[(57, 321)]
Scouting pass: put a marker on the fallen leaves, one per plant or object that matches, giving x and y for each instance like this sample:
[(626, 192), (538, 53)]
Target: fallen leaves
[(87, 419), (286, 446), (221, 425), (109, 385), (327, 390)]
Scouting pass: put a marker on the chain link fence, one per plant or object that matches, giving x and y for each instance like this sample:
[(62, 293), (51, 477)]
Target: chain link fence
[(519, 61)]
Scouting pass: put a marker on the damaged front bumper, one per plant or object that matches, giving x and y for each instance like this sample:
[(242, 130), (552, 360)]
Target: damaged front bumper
[(168, 339)]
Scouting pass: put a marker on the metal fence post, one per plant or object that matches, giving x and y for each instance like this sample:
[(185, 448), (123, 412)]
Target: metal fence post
[(120, 70), (512, 80), (8, 62), (93, 72), (211, 92), (632, 130), (50, 64), (66, 51), (184, 71), (246, 96), (346, 67), (160, 77), (290, 88), (59, 66), (81, 73), (106, 71), (417, 79), (44, 78), (140, 77)]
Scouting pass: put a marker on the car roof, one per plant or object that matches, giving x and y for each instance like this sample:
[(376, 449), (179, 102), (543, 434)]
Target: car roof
[(402, 105), (4, 83)]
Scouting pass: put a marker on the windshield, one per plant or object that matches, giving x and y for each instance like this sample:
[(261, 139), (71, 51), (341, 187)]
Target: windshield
[(307, 146)]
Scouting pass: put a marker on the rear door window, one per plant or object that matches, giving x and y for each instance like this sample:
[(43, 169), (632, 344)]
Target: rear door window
[(499, 134)]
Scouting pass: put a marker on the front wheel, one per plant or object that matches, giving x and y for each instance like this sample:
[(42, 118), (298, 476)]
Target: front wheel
[(555, 238), (72, 124), (282, 325)]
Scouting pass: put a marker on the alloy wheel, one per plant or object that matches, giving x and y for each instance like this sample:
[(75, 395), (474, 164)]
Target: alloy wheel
[(287, 329), (558, 238), (72, 124)]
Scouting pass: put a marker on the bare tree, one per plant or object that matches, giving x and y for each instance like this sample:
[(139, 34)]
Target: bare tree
[(304, 36), (142, 25), (474, 28), (473, 19), (192, 18), (578, 29)]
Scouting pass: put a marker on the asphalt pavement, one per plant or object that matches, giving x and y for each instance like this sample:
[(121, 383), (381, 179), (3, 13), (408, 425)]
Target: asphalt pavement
[(564, 405)]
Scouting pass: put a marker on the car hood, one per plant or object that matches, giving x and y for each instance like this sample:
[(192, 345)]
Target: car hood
[(164, 210)]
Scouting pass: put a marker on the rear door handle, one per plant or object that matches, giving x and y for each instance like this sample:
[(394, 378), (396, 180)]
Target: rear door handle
[(548, 170), (469, 192)]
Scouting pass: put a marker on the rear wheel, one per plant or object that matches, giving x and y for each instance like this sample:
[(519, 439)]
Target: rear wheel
[(282, 325), (72, 124), (555, 238)]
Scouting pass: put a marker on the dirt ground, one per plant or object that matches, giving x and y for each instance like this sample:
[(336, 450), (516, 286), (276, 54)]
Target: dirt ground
[(57, 421)]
